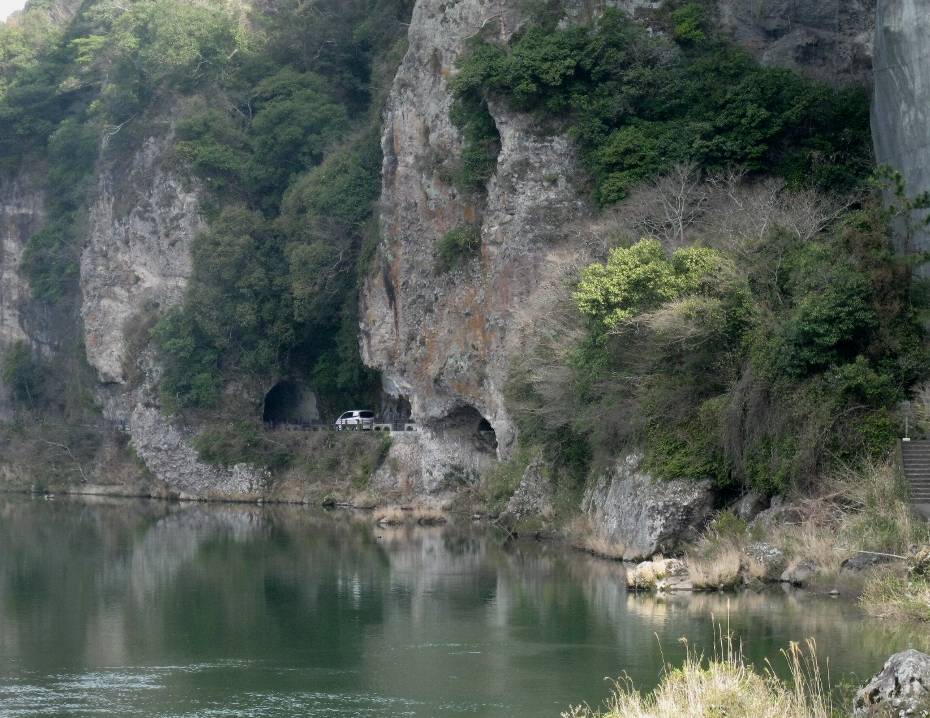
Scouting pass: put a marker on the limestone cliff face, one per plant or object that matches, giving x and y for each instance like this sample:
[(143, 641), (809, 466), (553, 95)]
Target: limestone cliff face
[(137, 258), (144, 216), (828, 39), (901, 110), (443, 340), (21, 215)]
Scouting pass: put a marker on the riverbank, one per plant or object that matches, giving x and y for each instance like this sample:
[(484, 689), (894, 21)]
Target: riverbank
[(726, 685)]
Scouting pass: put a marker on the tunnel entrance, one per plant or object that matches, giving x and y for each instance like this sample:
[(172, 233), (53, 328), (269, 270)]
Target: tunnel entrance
[(468, 423), (289, 402)]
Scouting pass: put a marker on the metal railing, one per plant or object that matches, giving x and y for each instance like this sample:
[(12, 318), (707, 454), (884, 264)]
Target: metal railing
[(383, 426)]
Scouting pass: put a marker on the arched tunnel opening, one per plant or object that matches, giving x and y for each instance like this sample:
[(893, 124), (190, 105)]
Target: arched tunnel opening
[(290, 403), (468, 421)]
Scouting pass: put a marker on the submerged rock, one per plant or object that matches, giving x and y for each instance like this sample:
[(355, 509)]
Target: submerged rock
[(646, 516), (901, 688)]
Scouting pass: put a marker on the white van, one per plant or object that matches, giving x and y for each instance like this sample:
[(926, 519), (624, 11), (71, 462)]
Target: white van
[(356, 421)]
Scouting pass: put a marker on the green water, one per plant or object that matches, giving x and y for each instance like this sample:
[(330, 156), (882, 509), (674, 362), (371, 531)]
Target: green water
[(148, 609)]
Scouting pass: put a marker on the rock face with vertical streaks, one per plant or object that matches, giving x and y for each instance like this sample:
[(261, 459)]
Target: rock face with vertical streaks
[(21, 215), (901, 110)]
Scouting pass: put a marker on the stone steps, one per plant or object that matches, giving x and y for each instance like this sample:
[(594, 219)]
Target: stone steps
[(915, 458)]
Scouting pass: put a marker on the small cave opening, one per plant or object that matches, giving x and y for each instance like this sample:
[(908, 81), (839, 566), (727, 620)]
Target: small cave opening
[(289, 402), (468, 421)]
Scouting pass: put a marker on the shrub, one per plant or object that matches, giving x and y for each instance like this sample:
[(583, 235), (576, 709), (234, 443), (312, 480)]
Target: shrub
[(241, 442), (637, 105), (23, 374), (725, 685), (456, 247)]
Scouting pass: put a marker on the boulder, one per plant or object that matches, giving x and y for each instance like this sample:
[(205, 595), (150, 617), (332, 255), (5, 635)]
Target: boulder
[(769, 561), (669, 574), (800, 573), (865, 561), (750, 505), (629, 508), (901, 688), (533, 497)]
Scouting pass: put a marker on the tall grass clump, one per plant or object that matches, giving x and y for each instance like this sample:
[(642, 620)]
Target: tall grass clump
[(726, 685), (892, 595)]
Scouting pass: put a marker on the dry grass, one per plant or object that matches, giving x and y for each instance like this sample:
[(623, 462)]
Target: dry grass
[(718, 571), (644, 576), (900, 597), (390, 516), (725, 686), (856, 510), (601, 547)]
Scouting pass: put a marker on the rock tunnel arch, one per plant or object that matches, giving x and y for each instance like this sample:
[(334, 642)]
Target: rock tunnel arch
[(471, 425), (290, 402)]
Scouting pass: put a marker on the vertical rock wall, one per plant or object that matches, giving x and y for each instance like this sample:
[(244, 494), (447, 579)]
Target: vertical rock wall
[(21, 215), (137, 258), (828, 39), (444, 340), (901, 110)]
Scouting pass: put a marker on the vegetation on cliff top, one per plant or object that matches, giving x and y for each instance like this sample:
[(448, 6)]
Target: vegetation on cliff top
[(277, 115), (757, 360), (638, 103)]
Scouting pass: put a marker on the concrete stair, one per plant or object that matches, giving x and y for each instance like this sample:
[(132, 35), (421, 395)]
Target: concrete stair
[(915, 456)]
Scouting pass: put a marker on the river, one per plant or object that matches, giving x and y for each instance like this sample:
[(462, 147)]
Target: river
[(142, 608)]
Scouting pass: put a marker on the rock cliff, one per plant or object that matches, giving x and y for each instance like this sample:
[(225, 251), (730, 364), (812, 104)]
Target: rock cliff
[(137, 257), (901, 109), (443, 341), (21, 215)]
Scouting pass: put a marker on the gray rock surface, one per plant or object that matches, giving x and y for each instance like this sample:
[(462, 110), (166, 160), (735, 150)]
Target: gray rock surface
[(164, 444), (533, 497), (769, 561), (21, 215), (444, 341), (643, 515), (901, 688), (827, 39), (750, 505), (901, 109), (137, 258), (798, 574), (435, 462), (866, 561)]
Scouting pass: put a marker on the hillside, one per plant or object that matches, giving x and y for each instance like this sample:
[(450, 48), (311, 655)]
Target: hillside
[(624, 261)]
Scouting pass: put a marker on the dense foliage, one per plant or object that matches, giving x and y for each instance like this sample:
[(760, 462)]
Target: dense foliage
[(637, 103), (760, 367), (294, 179), (274, 110), (757, 364)]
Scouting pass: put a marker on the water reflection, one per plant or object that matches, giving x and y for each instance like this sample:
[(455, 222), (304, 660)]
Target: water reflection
[(150, 609)]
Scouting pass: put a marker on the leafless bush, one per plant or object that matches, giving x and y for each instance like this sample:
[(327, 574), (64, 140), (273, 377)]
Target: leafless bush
[(728, 210)]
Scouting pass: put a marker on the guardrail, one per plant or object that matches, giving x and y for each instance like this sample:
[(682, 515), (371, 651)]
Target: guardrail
[(382, 426)]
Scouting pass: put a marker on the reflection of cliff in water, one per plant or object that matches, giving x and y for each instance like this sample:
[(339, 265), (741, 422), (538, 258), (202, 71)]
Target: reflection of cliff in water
[(392, 611)]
